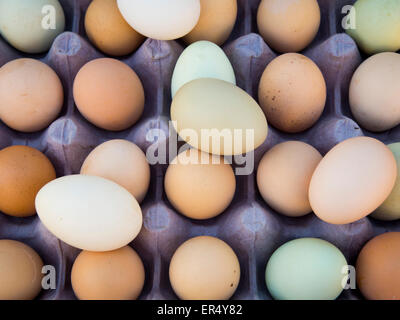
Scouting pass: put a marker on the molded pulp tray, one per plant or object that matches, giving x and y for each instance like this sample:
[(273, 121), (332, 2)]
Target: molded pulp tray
[(252, 228)]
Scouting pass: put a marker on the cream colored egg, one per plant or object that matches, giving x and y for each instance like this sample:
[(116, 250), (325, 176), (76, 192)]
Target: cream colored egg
[(217, 117), (202, 59), (160, 19), (352, 180), (284, 174), (89, 212), (122, 162)]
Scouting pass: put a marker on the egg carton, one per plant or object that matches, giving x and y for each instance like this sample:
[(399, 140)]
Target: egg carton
[(248, 225)]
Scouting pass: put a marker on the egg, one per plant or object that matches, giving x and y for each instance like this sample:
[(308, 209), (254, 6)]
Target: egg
[(284, 174), (216, 22), (23, 171), (108, 30), (199, 185), (20, 271), (352, 180), (199, 111), (89, 212), (204, 268), (292, 92), (374, 92), (159, 19), (111, 275), (288, 25), (389, 210), (377, 268), (31, 25), (31, 95), (306, 269), (122, 162), (109, 94), (202, 59), (376, 25)]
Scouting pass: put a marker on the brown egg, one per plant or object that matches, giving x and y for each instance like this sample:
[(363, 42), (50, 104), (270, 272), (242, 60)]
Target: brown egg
[(378, 268), (20, 271), (217, 19), (109, 94), (288, 25), (122, 162), (23, 172), (352, 180), (204, 268), (292, 92), (284, 174), (110, 275), (31, 95), (108, 30), (374, 92), (199, 185)]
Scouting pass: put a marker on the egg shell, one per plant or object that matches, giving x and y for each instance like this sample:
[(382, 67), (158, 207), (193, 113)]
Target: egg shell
[(31, 95), (377, 268), (23, 172), (204, 268), (292, 92), (108, 30), (374, 93), (159, 19), (216, 22), (284, 174), (377, 25), (89, 212), (22, 21), (202, 59), (109, 94), (306, 269), (389, 210), (352, 180), (199, 185), (20, 271), (111, 275), (120, 161), (288, 25), (199, 116)]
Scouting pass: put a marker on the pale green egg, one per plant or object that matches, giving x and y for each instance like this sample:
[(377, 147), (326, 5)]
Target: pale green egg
[(377, 25), (389, 210), (306, 269), (202, 59), (31, 25)]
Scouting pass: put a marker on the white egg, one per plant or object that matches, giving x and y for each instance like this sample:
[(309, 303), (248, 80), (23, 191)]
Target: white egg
[(161, 19), (89, 212), (202, 59)]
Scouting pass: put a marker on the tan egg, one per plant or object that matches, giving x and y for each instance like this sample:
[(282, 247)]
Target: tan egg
[(284, 175), (225, 121), (352, 180), (374, 92), (122, 162), (31, 95), (108, 30), (23, 172), (292, 92), (110, 275), (378, 270), (199, 185), (204, 268), (217, 19), (109, 94), (288, 25), (20, 271)]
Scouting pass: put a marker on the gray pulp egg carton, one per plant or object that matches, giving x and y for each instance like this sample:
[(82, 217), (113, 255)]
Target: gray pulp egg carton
[(249, 225)]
